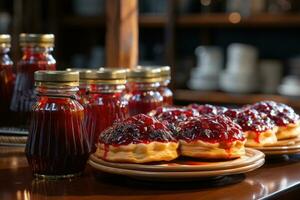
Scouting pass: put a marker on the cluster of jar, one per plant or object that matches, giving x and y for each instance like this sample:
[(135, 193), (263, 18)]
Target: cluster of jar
[(17, 84), (69, 109)]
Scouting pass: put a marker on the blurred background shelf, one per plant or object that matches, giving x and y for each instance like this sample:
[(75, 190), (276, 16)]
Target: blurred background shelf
[(236, 20), (146, 20), (227, 98)]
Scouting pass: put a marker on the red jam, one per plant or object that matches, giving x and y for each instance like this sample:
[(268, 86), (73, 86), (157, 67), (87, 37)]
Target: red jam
[(175, 115), (7, 80), (252, 120), (33, 59), (208, 109), (144, 97), (280, 113), (232, 113), (103, 109), (210, 128), (137, 129), (166, 93), (57, 145)]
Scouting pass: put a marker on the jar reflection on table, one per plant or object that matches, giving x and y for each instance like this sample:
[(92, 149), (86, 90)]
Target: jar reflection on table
[(7, 77), (144, 95), (36, 55), (105, 102), (57, 145)]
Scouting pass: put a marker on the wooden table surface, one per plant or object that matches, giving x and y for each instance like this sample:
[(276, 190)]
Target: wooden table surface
[(278, 179)]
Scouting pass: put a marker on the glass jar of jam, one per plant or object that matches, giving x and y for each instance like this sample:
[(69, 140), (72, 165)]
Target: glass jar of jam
[(167, 94), (37, 50), (7, 76), (57, 145), (83, 84), (105, 100), (144, 95)]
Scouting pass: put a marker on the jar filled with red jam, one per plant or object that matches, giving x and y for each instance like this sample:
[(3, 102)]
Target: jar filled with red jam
[(83, 84), (105, 100), (163, 88), (7, 76), (36, 55), (57, 145), (144, 94)]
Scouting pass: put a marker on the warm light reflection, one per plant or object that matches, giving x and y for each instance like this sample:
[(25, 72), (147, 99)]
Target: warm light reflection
[(205, 2), (19, 195), (235, 17), (26, 195)]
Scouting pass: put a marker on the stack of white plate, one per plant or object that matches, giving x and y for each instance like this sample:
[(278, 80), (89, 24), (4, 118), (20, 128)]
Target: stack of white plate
[(241, 74), (209, 64)]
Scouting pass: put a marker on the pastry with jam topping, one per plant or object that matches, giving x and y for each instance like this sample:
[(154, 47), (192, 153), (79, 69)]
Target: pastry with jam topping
[(258, 128), (138, 139), (171, 116), (284, 117), (211, 137), (208, 109)]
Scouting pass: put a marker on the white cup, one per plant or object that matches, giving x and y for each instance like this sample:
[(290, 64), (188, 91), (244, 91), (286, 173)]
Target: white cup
[(270, 73)]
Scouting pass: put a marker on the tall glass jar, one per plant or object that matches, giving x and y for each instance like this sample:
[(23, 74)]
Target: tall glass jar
[(105, 100), (37, 55), (7, 76), (57, 145), (144, 95), (163, 88)]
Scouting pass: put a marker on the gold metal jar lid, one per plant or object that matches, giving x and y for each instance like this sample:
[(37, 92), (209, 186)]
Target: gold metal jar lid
[(5, 41), (165, 71), (43, 40), (104, 76), (144, 74), (56, 78)]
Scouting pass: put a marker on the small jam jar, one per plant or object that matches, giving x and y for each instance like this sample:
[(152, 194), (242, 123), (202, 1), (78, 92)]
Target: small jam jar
[(57, 145), (37, 55), (7, 76), (105, 100), (165, 72), (144, 94)]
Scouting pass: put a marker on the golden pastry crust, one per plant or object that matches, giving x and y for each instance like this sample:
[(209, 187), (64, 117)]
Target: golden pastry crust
[(138, 153), (201, 149), (289, 131), (255, 139)]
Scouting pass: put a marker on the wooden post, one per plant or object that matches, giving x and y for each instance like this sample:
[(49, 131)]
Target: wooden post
[(121, 33)]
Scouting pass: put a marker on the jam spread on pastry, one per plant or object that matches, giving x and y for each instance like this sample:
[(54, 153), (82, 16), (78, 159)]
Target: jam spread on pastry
[(258, 128), (172, 116), (176, 115), (208, 109), (211, 136), (283, 116), (138, 139)]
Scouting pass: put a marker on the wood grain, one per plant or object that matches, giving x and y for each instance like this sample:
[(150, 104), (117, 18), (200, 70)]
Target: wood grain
[(121, 33)]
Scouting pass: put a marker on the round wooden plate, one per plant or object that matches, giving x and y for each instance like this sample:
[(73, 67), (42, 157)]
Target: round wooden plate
[(174, 176), (286, 148), (286, 142), (187, 164)]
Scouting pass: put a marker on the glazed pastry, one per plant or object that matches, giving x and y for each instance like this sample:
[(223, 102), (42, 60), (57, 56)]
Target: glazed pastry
[(284, 117), (138, 139), (258, 128), (208, 109), (211, 137)]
